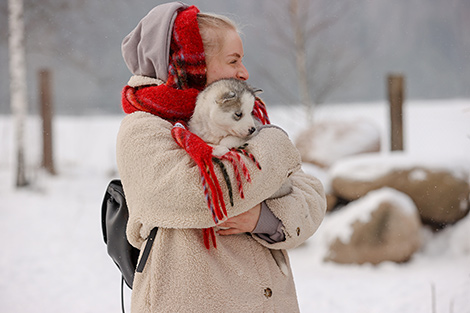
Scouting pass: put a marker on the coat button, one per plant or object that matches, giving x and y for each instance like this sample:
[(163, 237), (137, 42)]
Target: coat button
[(268, 292), (298, 231)]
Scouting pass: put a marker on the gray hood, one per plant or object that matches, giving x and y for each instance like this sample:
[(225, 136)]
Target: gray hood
[(146, 50)]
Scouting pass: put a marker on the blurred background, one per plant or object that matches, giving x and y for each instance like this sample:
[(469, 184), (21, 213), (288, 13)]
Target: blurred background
[(349, 48), (334, 57)]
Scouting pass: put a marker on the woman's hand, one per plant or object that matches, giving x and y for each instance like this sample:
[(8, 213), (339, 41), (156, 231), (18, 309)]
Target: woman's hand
[(243, 223)]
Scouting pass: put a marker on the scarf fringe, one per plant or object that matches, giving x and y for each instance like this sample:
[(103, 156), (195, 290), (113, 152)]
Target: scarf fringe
[(226, 177), (208, 234), (201, 153), (259, 111)]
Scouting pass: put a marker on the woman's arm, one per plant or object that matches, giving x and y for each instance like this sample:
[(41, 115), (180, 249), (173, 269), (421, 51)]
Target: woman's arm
[(301, 212), (271, 229), (163, 185)]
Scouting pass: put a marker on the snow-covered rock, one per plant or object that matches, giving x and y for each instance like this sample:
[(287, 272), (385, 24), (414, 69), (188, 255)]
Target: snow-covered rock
[(326, 142), (382, 226), (440, 189), (322, 175), (58, 261)]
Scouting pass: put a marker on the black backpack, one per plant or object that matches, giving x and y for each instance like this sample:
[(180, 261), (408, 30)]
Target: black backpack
[(114, 216)]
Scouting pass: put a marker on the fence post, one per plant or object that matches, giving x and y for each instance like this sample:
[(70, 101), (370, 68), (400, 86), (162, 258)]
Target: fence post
[(45, 92), (395, 84)]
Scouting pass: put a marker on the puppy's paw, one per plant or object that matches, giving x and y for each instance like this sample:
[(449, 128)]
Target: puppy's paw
[(232, 141), (219, 150)]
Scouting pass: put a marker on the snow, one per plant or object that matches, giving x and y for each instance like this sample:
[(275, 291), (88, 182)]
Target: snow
[(349, 138), (54, 259), (372, 166)]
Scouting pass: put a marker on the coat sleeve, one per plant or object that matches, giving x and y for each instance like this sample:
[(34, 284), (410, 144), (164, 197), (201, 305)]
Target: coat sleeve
[(163, 185), (301, 212)]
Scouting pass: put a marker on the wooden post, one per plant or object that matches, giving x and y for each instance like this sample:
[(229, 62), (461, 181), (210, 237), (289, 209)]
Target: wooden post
[(45, 92), (395, 84)]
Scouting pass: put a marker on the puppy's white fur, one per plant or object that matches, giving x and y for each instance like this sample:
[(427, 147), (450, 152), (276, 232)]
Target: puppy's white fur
[(223, 115)]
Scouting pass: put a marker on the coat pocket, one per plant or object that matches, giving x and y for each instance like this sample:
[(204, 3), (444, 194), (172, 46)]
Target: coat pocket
[(281, 262)]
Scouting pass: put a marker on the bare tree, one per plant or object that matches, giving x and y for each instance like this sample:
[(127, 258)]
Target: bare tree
[(18, 83), (56, 28), (298, 19), (18, 90), (27, 21), (319, 69)]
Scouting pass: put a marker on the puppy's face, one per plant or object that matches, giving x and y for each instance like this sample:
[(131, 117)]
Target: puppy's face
[(233, 113)]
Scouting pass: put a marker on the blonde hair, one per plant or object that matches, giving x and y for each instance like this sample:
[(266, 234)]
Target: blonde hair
[(212, 28)]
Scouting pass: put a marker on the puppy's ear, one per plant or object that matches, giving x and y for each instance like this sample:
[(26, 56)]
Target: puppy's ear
[(228, 96), (257, 91)]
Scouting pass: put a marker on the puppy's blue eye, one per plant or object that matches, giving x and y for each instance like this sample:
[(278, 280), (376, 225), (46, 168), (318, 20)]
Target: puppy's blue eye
[(237, 116)]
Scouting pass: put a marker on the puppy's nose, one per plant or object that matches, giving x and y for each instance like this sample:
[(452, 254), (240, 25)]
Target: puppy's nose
[(251, 130)]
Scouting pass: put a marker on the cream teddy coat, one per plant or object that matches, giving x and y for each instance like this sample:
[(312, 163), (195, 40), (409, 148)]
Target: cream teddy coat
[(163, 188)]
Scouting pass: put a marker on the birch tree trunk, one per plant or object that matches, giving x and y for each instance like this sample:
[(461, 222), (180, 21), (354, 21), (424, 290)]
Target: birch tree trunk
[(301, 58), (18, 91)]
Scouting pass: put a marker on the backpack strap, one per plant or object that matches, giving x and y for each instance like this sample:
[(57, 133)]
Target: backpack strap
[(141, 265), (148, 247), (122, 295)]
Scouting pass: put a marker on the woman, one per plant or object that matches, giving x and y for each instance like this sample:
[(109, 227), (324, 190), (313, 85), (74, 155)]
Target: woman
[(173, 53)]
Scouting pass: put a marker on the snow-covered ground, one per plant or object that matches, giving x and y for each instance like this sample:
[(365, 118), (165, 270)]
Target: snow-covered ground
[(53, 257)]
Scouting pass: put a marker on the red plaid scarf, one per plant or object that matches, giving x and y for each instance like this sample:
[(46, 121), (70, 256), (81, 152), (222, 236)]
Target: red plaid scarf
[(175, 101)]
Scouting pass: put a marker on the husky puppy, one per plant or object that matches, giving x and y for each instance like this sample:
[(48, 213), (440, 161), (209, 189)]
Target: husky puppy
[(222, 116)]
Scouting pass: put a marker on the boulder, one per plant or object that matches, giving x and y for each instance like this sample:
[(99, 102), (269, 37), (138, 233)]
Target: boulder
[(441, 193), (328, 141), (322, 175), (331, 201), (382, 226)]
